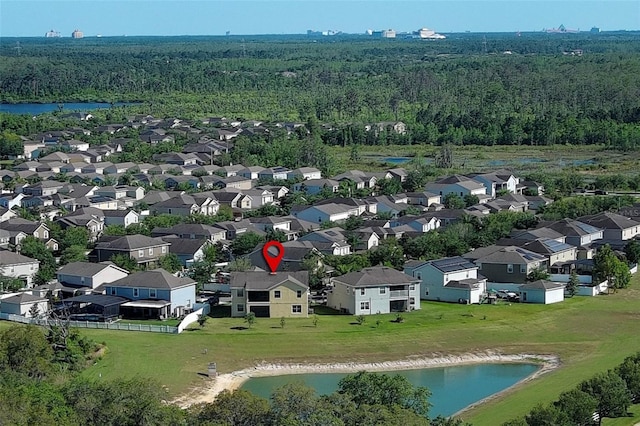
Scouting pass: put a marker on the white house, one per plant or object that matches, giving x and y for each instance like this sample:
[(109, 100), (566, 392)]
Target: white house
[(325, 213), (305, 173), (22, 304), (451, 279), (86, 274), (542, 291), (456, 184), (15, 265), (374, 290), (121, 217), (494, 182)]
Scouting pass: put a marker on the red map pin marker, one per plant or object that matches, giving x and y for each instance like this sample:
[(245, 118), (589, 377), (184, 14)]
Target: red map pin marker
[(273, 261)]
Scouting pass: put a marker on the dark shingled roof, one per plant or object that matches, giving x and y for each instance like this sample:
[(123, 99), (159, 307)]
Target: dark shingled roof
[(130, 242), (258, 280), (541, 285), (157, 278), (375, 277)]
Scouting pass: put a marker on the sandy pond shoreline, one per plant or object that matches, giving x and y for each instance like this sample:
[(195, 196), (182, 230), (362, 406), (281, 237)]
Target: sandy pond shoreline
[(230, 381)]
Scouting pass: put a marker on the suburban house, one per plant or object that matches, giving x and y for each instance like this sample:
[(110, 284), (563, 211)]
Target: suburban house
[(305, 173), (374, 290), (35, 229), (331, 237), (23, 303), (185, 205), (153, 294), (316, 186), (121, 217), (295, 254), (452, 279), (324, 212), (91, 275), (506, 264), (423, 198), (578, 234), (284, 294), (558, 254), (498, 182), (542, 291), (188, 250), (191, 231), (457, 184), (613, 225), (144, 250), (15, 265)]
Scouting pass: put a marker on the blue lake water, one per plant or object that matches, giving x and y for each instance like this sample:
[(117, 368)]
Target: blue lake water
[(396, 160), (452, 388), (35, 109)]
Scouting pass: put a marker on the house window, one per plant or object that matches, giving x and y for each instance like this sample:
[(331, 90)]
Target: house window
[(240, 292), (164, 249), (240, 308), (140, 253), (523, 269), (419, 275), (362, 290), (112, 291), (412, 287), (151, 252), (299, 294), (296, 309), (510, 268), (276, 294), (153, 293), (364, 305), (136, 292), (383, 290)]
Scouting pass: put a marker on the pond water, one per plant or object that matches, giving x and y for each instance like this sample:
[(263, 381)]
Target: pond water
[(35, 109), (452, 388)]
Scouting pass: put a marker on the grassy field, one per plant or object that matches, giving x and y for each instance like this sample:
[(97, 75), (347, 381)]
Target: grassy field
[(589, 335)]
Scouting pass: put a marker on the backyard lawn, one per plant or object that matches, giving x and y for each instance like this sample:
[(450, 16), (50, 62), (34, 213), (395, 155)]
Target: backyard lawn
[(588, 334)]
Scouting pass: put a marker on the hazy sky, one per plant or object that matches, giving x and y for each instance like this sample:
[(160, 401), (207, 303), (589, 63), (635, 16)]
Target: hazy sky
[(215, 17)]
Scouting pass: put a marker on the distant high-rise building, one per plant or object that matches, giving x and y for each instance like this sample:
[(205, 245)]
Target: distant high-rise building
[(52, 33), (427, 33), (77, 34), (389, 33)]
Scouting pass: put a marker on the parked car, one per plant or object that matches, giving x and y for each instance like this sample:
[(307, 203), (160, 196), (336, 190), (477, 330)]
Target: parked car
[(507, 295)]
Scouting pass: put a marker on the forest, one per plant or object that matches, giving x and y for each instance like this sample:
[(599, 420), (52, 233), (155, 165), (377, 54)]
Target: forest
[(494, 89)]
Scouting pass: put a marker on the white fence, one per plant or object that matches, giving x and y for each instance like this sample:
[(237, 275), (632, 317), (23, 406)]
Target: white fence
[(564, 278)]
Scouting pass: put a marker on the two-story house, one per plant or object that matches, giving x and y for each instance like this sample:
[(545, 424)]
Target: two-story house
[(153, 294), (457, 184), (506, 264), (90, 275), (144, 250), (15, 265), (614, 227), (374, 290), (283, 294), (191, 231), (324, 212), (452, 279)]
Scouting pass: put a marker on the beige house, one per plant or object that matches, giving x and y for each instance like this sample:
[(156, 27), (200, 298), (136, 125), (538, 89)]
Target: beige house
[(279, 295), (15, 265)]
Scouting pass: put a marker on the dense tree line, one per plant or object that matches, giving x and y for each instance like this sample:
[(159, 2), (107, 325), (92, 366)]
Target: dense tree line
[(449, 91)]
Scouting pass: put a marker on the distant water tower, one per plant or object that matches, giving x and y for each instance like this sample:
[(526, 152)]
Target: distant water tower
[(77, 34)]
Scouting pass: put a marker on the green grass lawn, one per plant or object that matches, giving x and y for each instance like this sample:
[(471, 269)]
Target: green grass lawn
[(589, 335)]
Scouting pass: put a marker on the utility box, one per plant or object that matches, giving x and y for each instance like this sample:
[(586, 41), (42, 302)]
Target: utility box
[(213, 372)]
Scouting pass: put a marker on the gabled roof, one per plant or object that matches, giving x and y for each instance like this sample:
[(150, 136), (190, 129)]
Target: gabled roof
[(570, 227), (375, 277), (130, 242), (87, 269), (511, 254), (609, 220), (156, 278), (259, 280), (185, 245), (23, 298), (541, 285), (10, 258), (452, 264)]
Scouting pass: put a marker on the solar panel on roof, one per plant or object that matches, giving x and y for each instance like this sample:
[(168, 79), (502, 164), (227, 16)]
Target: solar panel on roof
[(587, 228), (556, 246)]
